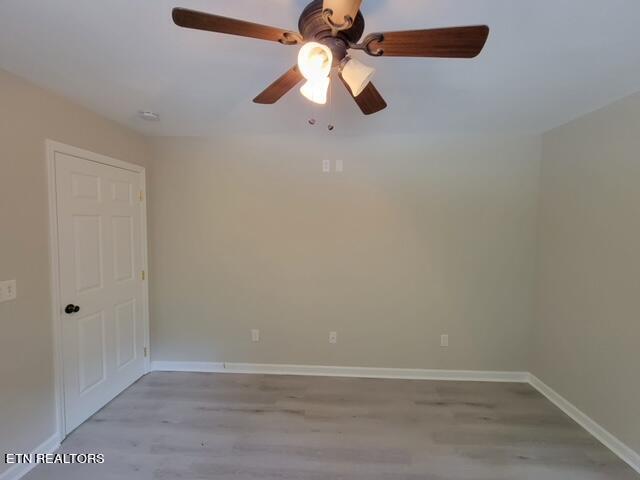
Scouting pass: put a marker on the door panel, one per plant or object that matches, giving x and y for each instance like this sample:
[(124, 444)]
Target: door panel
[(91, 351), (85, 186), (123, 248), (100, 259), (122, 192), (125, 332), (87, 245)]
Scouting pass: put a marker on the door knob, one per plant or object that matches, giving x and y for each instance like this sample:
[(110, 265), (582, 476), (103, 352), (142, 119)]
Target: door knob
[(71, 308)]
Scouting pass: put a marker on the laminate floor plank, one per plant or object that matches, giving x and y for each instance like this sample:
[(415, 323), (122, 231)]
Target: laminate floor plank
[(200, 426)]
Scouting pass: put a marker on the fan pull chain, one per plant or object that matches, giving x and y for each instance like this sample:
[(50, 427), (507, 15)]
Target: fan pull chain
[(330, 126), (312, 119)]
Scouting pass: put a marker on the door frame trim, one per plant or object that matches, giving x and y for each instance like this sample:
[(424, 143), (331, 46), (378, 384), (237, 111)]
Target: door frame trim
[(52, 147)]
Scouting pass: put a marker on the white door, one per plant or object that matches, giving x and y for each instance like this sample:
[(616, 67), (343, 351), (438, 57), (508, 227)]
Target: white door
[(99, 215)]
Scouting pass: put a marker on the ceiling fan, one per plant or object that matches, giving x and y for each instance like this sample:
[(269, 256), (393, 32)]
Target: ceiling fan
[(328, 29)]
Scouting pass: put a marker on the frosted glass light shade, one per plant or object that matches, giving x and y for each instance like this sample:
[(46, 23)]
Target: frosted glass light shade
[(316, 90), (315, 61), (357, 75)]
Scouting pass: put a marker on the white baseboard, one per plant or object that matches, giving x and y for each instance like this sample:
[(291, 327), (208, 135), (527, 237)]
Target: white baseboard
[(360, 372), (607, 439), (206, 367), (17, 471)]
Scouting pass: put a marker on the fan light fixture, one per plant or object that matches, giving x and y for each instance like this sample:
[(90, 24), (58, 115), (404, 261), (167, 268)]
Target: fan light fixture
[(316, 90), (327, 31), (356, 74), (315, 61)]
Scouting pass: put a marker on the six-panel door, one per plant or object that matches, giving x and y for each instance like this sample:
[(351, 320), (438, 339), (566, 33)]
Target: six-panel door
[(100, 264)]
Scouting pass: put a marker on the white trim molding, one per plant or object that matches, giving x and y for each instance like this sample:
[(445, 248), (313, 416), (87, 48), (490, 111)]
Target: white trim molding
[(193, 367), (324, 371), (20, 470), (598, 431)]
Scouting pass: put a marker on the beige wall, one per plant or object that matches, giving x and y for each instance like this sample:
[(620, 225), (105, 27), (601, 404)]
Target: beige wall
[(413, 240), (587, 331), (28, 116)]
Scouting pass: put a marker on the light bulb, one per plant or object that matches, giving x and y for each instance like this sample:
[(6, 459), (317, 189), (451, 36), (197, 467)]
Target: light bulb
[(316, 90), (315, 61)]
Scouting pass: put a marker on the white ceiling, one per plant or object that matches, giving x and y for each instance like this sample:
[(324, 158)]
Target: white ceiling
[(546, 62)]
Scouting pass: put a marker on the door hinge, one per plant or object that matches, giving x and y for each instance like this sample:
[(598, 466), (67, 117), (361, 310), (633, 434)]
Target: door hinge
[(142, 275), (141, 195), (145, 351)]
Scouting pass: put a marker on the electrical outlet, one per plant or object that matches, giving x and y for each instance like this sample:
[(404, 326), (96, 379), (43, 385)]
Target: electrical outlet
[(333, 337), (326, 166), (255, 335), (8, 291), (444, 340), (339, 166)]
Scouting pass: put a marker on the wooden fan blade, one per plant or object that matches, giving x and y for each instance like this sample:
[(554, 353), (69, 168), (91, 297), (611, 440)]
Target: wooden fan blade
[(370, 101), (280, 87), (455, 42), (215, 23)]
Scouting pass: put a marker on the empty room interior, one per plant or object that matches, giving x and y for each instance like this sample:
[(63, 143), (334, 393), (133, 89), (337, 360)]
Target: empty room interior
[(319, 239)]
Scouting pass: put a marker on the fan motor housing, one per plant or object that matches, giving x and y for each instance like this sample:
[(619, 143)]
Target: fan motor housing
[(313, 28)]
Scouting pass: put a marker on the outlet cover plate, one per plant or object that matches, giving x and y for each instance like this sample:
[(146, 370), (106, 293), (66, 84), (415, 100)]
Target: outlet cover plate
[(8, 291)]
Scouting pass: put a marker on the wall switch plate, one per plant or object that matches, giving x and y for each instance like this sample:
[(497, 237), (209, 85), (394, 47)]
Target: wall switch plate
[(255, 335), (8, 291), (339, 166), (444, 340), (326, 166), (333, 337)]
